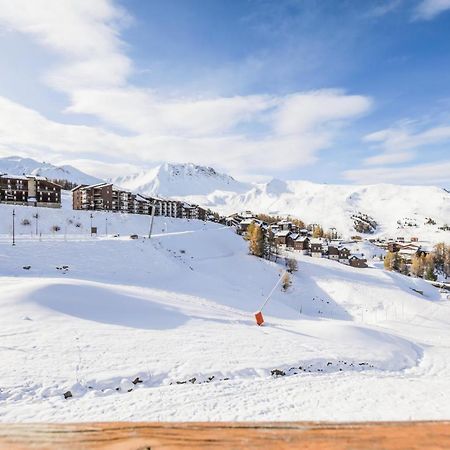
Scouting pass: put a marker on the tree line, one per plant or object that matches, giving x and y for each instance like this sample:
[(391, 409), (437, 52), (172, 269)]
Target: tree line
[(427, 266)]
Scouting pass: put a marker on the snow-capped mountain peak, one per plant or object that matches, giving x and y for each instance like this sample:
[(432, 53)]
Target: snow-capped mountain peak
[(179, 180), (16, 165)]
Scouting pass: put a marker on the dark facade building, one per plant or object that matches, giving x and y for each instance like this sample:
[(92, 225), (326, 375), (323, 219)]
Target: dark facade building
[(301, 244), (108, 197), (316, 247), (356, 261), (344, 255), (29, 191), (333, 252)]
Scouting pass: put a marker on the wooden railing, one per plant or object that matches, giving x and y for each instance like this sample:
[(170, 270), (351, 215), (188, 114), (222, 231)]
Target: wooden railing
[(260, 435)]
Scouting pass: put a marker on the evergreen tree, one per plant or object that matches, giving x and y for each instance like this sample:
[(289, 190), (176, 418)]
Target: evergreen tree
[(429, 267), (442, 258), (403, 267), (396, 262), (271, 247)]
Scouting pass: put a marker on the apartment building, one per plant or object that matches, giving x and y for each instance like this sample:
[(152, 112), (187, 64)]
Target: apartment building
[(29, 190)]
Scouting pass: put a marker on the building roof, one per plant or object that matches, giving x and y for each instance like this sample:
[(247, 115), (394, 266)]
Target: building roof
[(15, 177), (282, 233), (357, 256), (91, 186)]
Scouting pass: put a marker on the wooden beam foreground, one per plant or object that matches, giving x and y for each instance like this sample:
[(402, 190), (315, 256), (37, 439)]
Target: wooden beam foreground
[(217, 435)]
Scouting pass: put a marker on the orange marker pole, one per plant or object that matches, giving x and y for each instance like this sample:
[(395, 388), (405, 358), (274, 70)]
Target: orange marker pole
[(258, 315)]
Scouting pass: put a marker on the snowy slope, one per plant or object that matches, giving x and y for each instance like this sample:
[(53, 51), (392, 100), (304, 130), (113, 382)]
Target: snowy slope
[(328, 205), (177, 312), (15, 165)]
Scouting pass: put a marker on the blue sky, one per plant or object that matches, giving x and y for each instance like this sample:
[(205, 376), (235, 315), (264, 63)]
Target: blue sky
[(335, 92)]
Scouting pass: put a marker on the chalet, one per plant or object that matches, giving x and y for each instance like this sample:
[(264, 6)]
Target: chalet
[(281, 237), (285, 225), (414, 239), (273, 227), (357, 261), (29, 191), (333, 252), (316, 247), (303, 232), (301, 244), (408, 251), (244, 224), (401, 239), (231, 221), (344, 255), (290, 240)]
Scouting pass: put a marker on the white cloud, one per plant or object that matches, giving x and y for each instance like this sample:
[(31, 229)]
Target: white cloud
[(397, 144), (429, 9), (306, 111), (385, 7), (142, 111), (254, 132), (83, 32), (25, 130), (437, 173)]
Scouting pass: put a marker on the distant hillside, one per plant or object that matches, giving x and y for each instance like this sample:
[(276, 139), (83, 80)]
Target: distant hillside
[(384, 209)]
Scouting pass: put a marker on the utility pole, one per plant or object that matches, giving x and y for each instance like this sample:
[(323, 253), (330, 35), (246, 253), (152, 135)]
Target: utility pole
[(151, 222), (14, 227)]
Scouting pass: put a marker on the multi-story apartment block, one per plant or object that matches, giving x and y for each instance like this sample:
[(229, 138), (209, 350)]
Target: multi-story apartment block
[(99, 197), (107, 197), (29, 190), (192, 212)]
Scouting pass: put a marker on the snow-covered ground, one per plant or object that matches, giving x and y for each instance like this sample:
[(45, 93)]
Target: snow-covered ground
[(91, 315)]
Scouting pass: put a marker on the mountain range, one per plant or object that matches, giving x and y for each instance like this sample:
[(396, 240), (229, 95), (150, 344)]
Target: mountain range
[(383, 209), (15, 165)]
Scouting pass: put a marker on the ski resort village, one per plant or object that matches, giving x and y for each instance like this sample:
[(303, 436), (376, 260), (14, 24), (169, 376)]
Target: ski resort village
[(183, 294)]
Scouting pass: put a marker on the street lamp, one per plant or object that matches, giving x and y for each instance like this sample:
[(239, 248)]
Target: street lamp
[(151, 222), (37, 222), (14, 227), (91, 223), (106, 227)]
